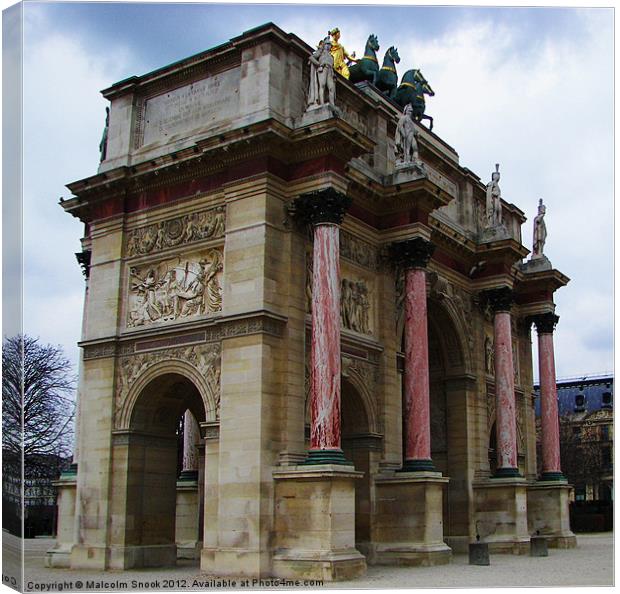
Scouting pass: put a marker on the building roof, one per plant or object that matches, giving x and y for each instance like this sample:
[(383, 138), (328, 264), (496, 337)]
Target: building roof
[(591, 386)]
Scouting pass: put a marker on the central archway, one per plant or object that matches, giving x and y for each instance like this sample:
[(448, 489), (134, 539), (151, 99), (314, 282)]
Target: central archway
[(147, 461)]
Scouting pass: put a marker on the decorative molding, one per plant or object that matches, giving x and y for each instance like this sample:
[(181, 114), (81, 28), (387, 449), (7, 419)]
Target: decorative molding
[(222, 328), (545, 323), (129, 437), (206, 359), (256, 325), (499, 300), (100, 351), (412, 253), (358, 251), (175, 289), (83, 259), (189, 228), (322, 207), (170, 341)]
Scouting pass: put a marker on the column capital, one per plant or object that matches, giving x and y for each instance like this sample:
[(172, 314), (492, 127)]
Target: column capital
[(545, 323), (322, 206), (412, 253), (499, 299)]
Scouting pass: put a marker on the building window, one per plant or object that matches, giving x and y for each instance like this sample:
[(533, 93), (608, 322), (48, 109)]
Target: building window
[(605, 433), (606, 457), (580, 493)]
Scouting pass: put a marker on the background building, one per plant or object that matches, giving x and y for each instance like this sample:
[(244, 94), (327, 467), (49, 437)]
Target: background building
[(586, 440)]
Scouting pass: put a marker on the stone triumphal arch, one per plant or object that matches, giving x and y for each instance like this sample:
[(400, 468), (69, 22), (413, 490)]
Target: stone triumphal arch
[(307, 331)]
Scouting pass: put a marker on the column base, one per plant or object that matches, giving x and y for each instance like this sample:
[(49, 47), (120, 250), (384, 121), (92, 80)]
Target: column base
[(186, 528), (329, 567), (418, 466), (552, 476), (315, 523), (128, 557), (237, 562), (59, 556), (408, 522), (188, 475), (335, 456), (507, 473), (500, 514), (548, 512)]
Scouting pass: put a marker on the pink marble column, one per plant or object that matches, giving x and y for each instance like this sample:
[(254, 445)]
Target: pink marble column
[(325, 209), (550, 424), (506, 421), (325, 357), (413, 255), (191, 436)]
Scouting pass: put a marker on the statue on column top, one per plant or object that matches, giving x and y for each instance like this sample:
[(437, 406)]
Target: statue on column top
[(494, 200), (103, 145), (540, 231), (340, 55), (321, 75), (405, 143)]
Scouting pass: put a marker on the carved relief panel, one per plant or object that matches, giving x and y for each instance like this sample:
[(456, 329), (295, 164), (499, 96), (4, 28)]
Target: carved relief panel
[(197, 226), (356, 305), (176, 288)]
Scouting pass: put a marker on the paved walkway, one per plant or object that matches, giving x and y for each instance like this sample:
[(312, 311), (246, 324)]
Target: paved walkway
[(590, 564)]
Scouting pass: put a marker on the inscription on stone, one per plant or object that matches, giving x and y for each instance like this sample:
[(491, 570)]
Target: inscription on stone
[(198, 105)]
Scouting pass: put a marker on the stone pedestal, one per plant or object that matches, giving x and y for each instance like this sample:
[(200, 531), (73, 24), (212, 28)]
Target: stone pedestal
[(60, 555), (547, 513), (500, 513), (407, 526), (187, 516), (315, 523)]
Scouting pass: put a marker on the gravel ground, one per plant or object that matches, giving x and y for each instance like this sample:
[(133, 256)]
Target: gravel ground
[(590, 564)]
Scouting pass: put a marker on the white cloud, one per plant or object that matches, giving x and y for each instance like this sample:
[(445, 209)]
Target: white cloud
[(64, 117), (544, 111)]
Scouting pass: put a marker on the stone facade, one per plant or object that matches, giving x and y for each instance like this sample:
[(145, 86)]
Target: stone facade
[(222, 219)]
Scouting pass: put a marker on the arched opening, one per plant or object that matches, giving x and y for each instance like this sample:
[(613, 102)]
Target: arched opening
[(493, 453), (154, 457), (359, 445)]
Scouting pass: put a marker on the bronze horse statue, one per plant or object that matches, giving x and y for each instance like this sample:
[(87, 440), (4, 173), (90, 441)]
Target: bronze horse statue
[(367, 67), (387, 79), (413, 86)]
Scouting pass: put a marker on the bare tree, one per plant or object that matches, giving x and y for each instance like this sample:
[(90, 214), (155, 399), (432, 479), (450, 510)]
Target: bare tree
[(37, 385), (579, 450)]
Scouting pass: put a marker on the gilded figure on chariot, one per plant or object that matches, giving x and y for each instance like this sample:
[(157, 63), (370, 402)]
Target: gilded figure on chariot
[(340, 54)]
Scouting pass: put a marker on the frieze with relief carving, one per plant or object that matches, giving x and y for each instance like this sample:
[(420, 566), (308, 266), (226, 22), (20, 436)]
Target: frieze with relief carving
[(198, 226), (206, 359), (175, 289), (358, 251)]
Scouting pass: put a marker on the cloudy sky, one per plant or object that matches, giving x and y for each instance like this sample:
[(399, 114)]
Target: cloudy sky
[(529, 88)]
